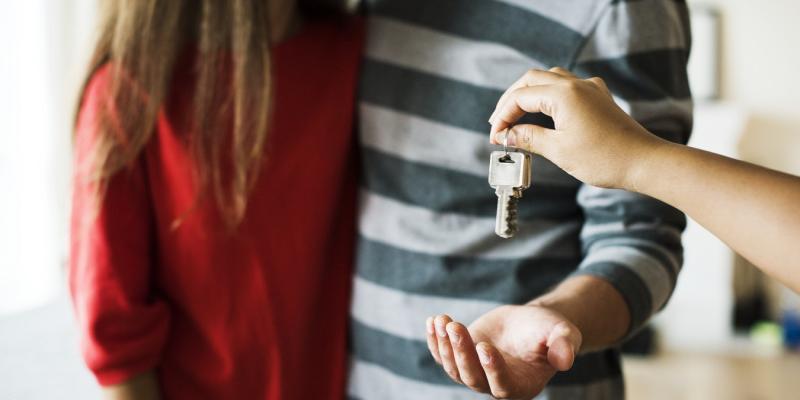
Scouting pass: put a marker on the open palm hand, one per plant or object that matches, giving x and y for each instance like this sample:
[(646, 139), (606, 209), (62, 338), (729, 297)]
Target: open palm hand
[(510, 352)]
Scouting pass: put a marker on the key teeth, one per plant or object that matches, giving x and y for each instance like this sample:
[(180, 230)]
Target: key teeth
[(511, 215), (506, 226)]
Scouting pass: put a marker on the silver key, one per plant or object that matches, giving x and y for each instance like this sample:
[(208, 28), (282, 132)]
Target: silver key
[(509, 175)]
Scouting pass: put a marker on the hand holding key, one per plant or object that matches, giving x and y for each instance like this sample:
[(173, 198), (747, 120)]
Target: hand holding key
[(594, 140)]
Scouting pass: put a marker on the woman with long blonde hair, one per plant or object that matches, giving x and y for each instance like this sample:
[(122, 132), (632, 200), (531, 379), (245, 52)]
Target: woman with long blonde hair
[(214, 189)]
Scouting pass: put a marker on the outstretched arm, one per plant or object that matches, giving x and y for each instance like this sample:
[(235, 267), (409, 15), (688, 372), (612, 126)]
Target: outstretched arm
[(752, 209)]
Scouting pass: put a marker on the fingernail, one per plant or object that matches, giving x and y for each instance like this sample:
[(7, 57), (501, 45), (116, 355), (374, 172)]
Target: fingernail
[(454, 337), (484, 356), (440, 329), (429, 325)]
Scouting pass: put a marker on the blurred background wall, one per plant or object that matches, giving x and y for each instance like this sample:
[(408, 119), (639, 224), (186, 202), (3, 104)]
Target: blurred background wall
[(760, 66), (44, 44), (43, 51), (756, 117)]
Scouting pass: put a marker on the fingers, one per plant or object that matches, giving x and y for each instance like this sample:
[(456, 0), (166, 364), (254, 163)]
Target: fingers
[(466, 357), (496, 370), (433, 344), (538, 91), (530, 99), (533, 77), (563, 344), (445, 348), (451, 345), (599, 83), (533, 138), (560, 354), (562, 72)]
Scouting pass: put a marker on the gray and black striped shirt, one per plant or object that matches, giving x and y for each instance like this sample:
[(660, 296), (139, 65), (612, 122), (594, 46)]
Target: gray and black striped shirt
[(432, 74)]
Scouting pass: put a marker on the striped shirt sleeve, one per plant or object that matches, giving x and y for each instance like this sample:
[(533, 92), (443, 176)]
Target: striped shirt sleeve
[(640, 48)]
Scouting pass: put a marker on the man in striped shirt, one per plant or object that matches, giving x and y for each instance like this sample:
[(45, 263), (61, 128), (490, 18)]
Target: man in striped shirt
[(433, 72)]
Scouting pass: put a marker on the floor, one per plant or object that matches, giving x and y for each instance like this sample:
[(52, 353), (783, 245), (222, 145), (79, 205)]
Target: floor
[(39, 356), (692, 376)]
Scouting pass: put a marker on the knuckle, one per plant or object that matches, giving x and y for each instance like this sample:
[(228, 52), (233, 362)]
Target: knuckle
[(521, 137), (599, 82), (532, 73), (572, 88), (572, 85), (563, 326), (469, 381), (515, 96), (477, 387), (501, 393)]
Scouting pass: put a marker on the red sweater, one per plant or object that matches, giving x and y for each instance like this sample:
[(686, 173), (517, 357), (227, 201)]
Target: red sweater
[(257, 314)]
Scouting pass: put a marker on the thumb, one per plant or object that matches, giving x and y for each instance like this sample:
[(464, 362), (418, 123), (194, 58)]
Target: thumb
[(533, 138), (563, 345)]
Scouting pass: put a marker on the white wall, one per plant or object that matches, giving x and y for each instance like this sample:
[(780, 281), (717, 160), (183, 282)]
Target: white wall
[(44, 44), (760, 64), (758, 120)]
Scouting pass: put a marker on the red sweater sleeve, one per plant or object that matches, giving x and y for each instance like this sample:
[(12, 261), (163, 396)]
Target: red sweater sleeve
[(123, 322)]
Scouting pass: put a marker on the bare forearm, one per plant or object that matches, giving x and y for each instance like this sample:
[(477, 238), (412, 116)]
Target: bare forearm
[(142, 387), (756, 211), (594, 306)]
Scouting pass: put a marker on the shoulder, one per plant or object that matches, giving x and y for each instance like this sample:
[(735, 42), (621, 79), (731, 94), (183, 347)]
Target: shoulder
[(96, 91), (95, 99)]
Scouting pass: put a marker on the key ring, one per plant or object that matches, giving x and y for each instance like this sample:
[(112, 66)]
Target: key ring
[(505, 139)]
